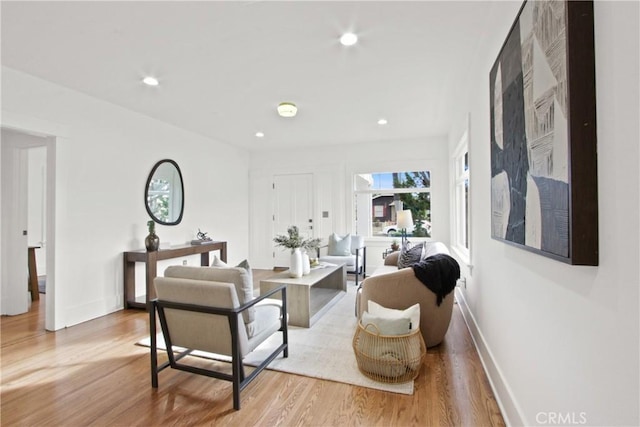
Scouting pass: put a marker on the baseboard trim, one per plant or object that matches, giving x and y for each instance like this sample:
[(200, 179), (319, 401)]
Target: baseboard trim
[(92, 310), (508, 406)]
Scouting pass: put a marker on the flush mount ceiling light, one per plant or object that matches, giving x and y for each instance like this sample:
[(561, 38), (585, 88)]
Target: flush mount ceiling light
[(287, 109), (382, 121), (349, 39), (150, 81), (259, 135)]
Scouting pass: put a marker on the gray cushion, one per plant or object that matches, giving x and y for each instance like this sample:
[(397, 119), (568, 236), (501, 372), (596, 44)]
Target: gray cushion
[(339, 245), (240, 276), (410, 255)]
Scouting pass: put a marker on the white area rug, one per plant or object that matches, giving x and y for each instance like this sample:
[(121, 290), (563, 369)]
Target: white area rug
[(322, 351)]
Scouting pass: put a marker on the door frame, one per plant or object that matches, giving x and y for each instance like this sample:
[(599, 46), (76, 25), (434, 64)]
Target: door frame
[(53, 134)]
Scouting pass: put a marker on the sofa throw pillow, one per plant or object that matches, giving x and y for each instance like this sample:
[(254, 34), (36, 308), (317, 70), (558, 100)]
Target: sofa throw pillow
[(217, 262), (339, 245), (412, 313), (386, 325), (410, 255), (432, 248)]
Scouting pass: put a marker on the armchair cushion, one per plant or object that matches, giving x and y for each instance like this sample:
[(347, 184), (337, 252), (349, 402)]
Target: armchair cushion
[(240, 277), (339, 245), (200, 330), (267, 322)]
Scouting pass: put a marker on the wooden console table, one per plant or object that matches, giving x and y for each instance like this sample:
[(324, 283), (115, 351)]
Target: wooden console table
[(151, 265)]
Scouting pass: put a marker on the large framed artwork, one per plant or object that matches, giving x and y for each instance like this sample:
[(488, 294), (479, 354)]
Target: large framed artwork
[(544, 194)]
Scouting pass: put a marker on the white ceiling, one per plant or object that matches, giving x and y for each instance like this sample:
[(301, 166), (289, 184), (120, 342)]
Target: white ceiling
[(224, 66)]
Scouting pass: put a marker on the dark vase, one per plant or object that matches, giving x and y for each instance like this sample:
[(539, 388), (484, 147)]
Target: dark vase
[(152, 242)]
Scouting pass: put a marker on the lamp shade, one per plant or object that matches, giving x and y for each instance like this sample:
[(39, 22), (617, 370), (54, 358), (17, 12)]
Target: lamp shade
[(405, 219)]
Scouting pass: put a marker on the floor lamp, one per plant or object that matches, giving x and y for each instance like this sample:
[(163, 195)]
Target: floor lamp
[(405, 220)]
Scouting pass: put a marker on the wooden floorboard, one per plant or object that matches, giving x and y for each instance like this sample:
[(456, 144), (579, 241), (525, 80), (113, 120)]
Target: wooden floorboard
[(92, 374)]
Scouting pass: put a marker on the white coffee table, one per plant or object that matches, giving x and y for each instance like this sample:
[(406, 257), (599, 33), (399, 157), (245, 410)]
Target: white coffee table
[(310, 296)]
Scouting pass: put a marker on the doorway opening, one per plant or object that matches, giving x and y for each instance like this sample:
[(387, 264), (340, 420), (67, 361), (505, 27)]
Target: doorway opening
[(27, 230)]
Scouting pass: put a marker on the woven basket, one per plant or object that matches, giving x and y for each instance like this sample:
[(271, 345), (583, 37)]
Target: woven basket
[(388, 358)]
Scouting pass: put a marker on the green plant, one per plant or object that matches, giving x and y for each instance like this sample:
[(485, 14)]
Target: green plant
[(293, 240), (311, 245), (152, 226)]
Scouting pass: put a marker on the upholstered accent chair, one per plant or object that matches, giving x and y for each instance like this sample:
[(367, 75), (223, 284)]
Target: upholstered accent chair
[(349, 250), (400, 289), (207, 309)]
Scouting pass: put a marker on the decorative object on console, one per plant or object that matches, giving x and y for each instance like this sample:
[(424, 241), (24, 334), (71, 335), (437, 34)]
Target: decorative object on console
[(152, 241), (543, 133), (394, 245), (202, 239)]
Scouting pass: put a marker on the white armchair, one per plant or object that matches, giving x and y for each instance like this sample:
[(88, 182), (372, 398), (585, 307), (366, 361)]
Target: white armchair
[(206, 308), (349, 250)]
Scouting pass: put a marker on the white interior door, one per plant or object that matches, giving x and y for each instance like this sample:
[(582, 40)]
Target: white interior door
[(14, 290), (292, 205)]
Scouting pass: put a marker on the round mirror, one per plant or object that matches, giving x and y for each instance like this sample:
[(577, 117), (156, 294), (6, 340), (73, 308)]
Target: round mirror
[(164, 193)]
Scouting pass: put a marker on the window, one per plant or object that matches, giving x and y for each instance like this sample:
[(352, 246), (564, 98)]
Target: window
[(461, 223), (380, 196)]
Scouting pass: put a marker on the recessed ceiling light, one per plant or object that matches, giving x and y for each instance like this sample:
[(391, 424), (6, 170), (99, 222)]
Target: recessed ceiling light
[(151, 81), (382, 121), (259, 135), (287, 109), (349, 39)]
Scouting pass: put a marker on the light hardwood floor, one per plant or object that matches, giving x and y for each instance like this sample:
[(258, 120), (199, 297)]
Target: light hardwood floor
[(93, 374)]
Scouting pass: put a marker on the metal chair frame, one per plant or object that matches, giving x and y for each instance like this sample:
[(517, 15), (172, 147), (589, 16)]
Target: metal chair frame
[(238, 377)]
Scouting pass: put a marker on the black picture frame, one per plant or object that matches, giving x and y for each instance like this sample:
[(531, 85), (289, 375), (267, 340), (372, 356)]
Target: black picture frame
[(544, 195)]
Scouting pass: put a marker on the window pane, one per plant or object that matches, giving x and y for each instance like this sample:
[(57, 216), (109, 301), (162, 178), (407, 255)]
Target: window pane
[(384, 213), (391, 180), (466, 213), (383, 194)]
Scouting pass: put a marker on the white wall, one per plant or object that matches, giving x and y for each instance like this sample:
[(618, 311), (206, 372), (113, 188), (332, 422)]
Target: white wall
[(102, 163), (333, 167), (560, 339)]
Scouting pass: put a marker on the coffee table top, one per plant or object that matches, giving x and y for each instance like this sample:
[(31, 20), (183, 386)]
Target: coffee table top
[(310, 279)]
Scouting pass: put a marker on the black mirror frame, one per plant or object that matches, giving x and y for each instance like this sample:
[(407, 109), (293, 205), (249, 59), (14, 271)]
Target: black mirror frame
[(146, 192)]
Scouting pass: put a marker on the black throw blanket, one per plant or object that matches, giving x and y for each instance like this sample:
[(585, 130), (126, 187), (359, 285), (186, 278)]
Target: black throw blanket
[(439, 273)]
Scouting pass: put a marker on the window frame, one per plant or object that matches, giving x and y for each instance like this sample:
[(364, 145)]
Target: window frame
[(461, 202), (355, 192)]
